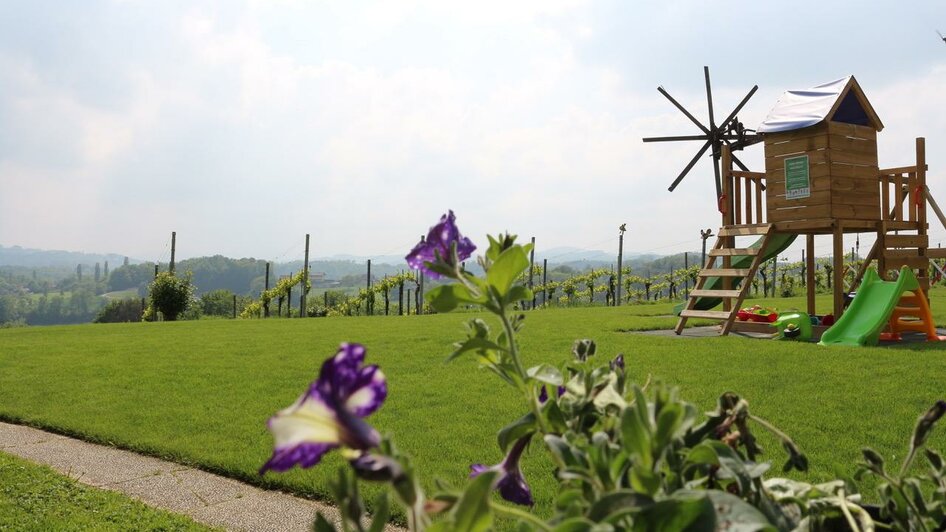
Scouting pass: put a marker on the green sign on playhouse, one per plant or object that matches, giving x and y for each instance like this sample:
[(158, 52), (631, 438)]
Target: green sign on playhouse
[(797, 183)]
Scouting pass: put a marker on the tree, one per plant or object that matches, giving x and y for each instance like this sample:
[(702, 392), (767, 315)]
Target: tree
[(120, 311), (171, 295)]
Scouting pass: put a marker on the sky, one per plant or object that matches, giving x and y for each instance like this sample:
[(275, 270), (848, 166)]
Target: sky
[(243, 126)]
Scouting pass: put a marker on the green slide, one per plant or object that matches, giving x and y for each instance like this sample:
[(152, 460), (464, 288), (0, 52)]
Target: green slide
[(777, 244), (870, 310)]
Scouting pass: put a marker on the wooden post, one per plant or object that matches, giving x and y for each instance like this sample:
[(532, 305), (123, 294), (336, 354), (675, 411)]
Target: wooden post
[(774, 273), (686, 275), (420, 287), (305, 280), (155, 272), (532, 271), (408, 301), (387, 299), (368, 310), (289, 300), (803, 268), (234, 306), (838, 270), (810, 272), (727, 203), (325, 297), (545, 277), (617, 293), (400, 297), (921, 208), (173, 248), (266, 289)]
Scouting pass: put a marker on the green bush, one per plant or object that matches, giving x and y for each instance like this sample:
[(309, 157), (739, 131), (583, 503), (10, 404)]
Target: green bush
[(170, 295), (120, 311)]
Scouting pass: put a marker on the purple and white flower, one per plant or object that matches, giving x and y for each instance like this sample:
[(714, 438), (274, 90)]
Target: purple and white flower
[(510, 482), (436, 247), (329, 414), (618, 362)]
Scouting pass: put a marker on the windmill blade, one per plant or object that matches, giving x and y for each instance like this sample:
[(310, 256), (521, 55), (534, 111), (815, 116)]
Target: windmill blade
[(709, 97), (738, 107), (682, 110), (736, 160), (669, 139), (940, 35), (690, 165), (743, 167)]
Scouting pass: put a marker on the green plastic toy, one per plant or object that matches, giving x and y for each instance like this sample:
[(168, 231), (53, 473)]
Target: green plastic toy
[(793, 325)]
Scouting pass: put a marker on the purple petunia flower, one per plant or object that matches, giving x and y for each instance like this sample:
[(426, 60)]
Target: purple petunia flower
[(618, 362), (437, 243), (329, 414), (510, 482), (544, 395)]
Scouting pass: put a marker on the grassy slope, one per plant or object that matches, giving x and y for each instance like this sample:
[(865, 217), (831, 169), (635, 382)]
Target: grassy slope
[(34, 497), (199, 392)]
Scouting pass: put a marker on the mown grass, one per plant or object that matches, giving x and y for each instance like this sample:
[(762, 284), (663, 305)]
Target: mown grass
[(34, 497), (200, 392)]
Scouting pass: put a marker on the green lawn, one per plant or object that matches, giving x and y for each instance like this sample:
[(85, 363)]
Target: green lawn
[(200, 392), (34, 497)]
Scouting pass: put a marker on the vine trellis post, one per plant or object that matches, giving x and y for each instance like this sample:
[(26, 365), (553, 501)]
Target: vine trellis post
[(305, 278), (532, 271), (266, 289)]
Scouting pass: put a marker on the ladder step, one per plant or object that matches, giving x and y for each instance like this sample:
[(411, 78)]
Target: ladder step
[(715, 293), (733, 252), (712, 314), (906, 241), (745, 230), (936, 253), (725, 272)]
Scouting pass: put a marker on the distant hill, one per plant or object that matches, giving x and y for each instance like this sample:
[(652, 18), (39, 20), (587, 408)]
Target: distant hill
[(39, 258)]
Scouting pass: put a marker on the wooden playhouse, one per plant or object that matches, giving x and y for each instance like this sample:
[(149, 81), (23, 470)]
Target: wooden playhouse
[(821, 178)]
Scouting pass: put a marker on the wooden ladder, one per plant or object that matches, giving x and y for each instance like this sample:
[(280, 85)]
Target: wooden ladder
[(740, 278)]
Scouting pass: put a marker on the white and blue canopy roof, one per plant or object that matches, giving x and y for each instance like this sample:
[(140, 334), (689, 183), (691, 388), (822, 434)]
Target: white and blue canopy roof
[(839, 101)]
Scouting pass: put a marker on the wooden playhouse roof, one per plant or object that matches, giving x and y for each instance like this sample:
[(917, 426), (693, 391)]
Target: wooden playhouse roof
[(841, 100)]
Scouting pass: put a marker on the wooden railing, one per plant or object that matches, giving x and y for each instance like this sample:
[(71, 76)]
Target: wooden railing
[(902, 193), (743, 200)]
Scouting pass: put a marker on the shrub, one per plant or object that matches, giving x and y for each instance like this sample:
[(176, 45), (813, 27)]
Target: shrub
[(171, 295), (120, 311)]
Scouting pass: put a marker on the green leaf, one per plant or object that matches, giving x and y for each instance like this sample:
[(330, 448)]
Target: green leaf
[(546, 373), (690, 513), (472, 512), (515, 430), (635, 436), (506, 269), (568, 497), (382, 512), (668, 423), (644, 480), (322, 524), (519, 293), (560, 448), (447, 297), (738, 515), (575, 524), (617, 501), (473, 344)]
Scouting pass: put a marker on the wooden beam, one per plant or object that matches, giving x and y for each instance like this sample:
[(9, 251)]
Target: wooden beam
[(838, 284), (725, 272), (810, 272), (734, 252), (710, 314), (718, 293)]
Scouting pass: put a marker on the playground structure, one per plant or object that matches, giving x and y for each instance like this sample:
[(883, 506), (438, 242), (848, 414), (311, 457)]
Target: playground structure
[(821, 178)]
